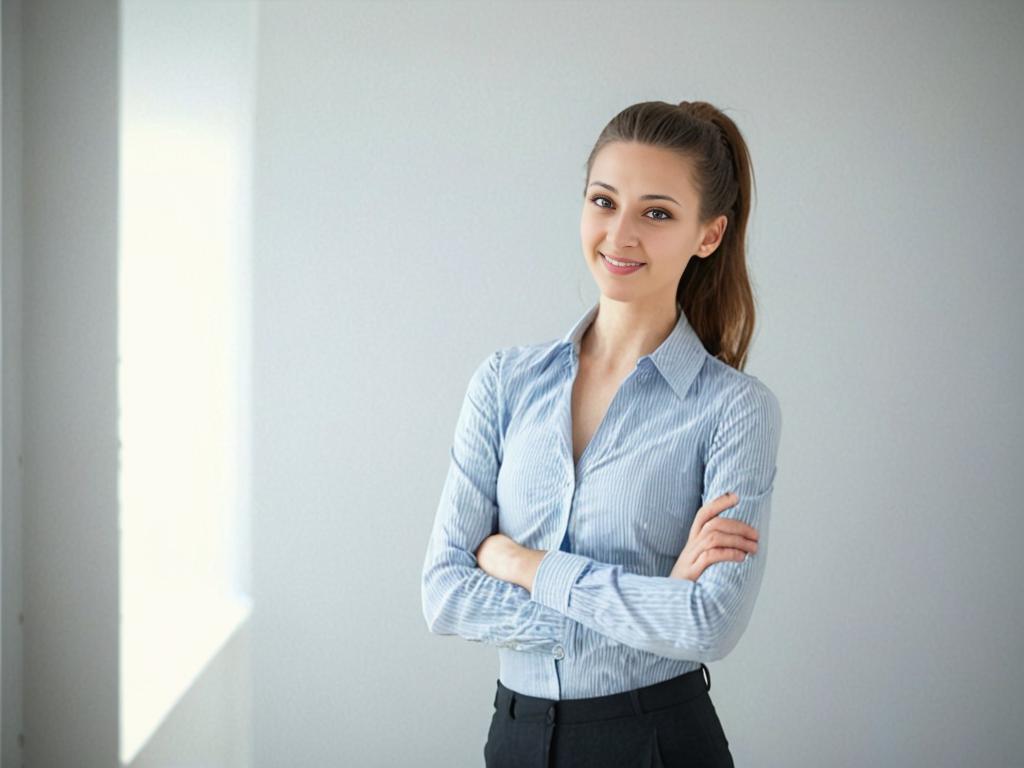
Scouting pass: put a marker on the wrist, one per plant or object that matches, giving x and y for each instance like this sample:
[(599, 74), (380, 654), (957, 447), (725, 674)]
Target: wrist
[(528, 563)]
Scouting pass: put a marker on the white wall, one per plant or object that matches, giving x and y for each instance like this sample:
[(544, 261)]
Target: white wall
[(417, 200), (60, 532), (210, 727), (186, 86)]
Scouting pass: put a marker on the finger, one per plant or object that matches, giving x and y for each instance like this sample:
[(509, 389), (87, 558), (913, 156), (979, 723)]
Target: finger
[(715, 506), (717, 555), (729, 525), (719, 503), (717, 538)]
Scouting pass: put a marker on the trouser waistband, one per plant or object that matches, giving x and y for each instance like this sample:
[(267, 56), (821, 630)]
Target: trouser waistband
[(636, 702)]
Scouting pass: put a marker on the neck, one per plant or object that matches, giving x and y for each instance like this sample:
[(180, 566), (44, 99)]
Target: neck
[(625, 331)]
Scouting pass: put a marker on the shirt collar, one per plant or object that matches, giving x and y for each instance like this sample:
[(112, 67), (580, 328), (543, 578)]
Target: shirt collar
[(678, 358)]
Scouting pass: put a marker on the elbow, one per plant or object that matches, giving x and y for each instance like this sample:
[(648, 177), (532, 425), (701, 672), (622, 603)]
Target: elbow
[(430, 608), (433, 613), (443, 592), (703, 651), (723, 639), (707, 648), (717, 624), (434, 625), (436, 601), (715, 652), (437, 619), (434, 619), (430, 617)]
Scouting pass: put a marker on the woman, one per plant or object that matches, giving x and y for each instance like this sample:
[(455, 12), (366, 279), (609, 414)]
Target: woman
[(605, 515)]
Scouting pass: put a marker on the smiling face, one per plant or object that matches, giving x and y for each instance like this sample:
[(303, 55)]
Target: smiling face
[(641, 206)]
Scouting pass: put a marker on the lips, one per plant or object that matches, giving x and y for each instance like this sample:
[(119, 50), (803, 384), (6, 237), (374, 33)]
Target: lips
[(620, 259)]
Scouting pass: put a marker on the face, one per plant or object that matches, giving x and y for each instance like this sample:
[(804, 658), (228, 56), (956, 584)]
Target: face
[(641, 207)]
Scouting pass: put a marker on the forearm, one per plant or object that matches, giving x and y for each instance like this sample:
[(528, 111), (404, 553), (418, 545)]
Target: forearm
[(460, 599), (671, 617), (676, 618)]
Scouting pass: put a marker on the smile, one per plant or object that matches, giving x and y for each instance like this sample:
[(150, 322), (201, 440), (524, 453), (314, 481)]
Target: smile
[(620, 267), (619, 263)]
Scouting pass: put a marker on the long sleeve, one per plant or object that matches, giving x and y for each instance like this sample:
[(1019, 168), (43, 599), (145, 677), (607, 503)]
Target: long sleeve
[(677, 618), (458, 597)]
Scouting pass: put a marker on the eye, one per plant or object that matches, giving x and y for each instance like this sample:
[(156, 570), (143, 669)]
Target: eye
[(665, 214)]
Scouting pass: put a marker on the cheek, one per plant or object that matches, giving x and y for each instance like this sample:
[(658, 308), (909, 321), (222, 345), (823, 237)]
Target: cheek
[(591, 222), (667, 258), (587, 231)]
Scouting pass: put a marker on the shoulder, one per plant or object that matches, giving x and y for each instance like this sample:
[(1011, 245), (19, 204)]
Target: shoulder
[(509, 376), (528, 361), (507, 368), (738, 396)]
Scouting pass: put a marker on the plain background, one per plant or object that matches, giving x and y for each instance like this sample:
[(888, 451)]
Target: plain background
[(417, 190), (419, 185)]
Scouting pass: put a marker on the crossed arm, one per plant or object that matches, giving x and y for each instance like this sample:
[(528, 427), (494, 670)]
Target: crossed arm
[(459, 598), (697, 620)]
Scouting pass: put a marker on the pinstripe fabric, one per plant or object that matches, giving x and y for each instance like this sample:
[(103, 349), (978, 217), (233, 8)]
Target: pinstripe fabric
[(603, 617)]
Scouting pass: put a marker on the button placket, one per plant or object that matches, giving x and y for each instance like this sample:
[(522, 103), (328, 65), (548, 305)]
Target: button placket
[(569, 486)]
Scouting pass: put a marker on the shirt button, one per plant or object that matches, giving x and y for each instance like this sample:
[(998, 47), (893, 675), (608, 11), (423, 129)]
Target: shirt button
[(559, 652), (568, 483)]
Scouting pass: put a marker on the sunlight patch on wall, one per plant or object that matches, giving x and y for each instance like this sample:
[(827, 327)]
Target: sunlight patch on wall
[(182, 378)]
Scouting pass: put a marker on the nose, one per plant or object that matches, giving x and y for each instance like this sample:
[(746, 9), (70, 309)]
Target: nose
[(621, 233)]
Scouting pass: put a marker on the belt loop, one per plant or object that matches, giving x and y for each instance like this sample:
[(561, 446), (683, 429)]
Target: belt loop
[(707, 676), (512, 705), (634, 698)]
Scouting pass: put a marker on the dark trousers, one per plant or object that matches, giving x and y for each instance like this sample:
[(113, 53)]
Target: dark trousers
[(671, 724)]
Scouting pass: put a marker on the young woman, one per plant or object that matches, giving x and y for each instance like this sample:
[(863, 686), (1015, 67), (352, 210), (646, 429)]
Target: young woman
[(604, 519)]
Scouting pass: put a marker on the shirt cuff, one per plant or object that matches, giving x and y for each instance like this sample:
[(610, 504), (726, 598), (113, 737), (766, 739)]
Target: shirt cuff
[(555, 577)]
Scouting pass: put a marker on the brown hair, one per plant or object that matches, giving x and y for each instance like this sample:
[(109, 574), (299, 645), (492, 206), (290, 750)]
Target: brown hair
[(714, 291)]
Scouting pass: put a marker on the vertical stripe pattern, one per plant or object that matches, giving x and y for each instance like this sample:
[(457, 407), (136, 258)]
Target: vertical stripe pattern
[(603, 616)]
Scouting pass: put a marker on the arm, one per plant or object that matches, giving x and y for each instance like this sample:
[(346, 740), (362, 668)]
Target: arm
[(459, 598), (696, 620)]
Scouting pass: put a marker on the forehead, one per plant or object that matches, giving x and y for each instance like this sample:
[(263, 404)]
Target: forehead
[(638, 169)]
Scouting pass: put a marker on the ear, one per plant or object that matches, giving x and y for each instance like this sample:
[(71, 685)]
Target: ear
[(712, 237)]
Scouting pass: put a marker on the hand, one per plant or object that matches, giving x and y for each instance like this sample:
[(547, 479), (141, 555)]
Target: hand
[(503, 558), (711, 542)]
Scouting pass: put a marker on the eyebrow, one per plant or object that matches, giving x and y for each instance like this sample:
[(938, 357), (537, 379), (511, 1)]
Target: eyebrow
[(642, 197)]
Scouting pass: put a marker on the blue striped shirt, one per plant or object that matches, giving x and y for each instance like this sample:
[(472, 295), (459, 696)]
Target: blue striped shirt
[(604, 616)]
